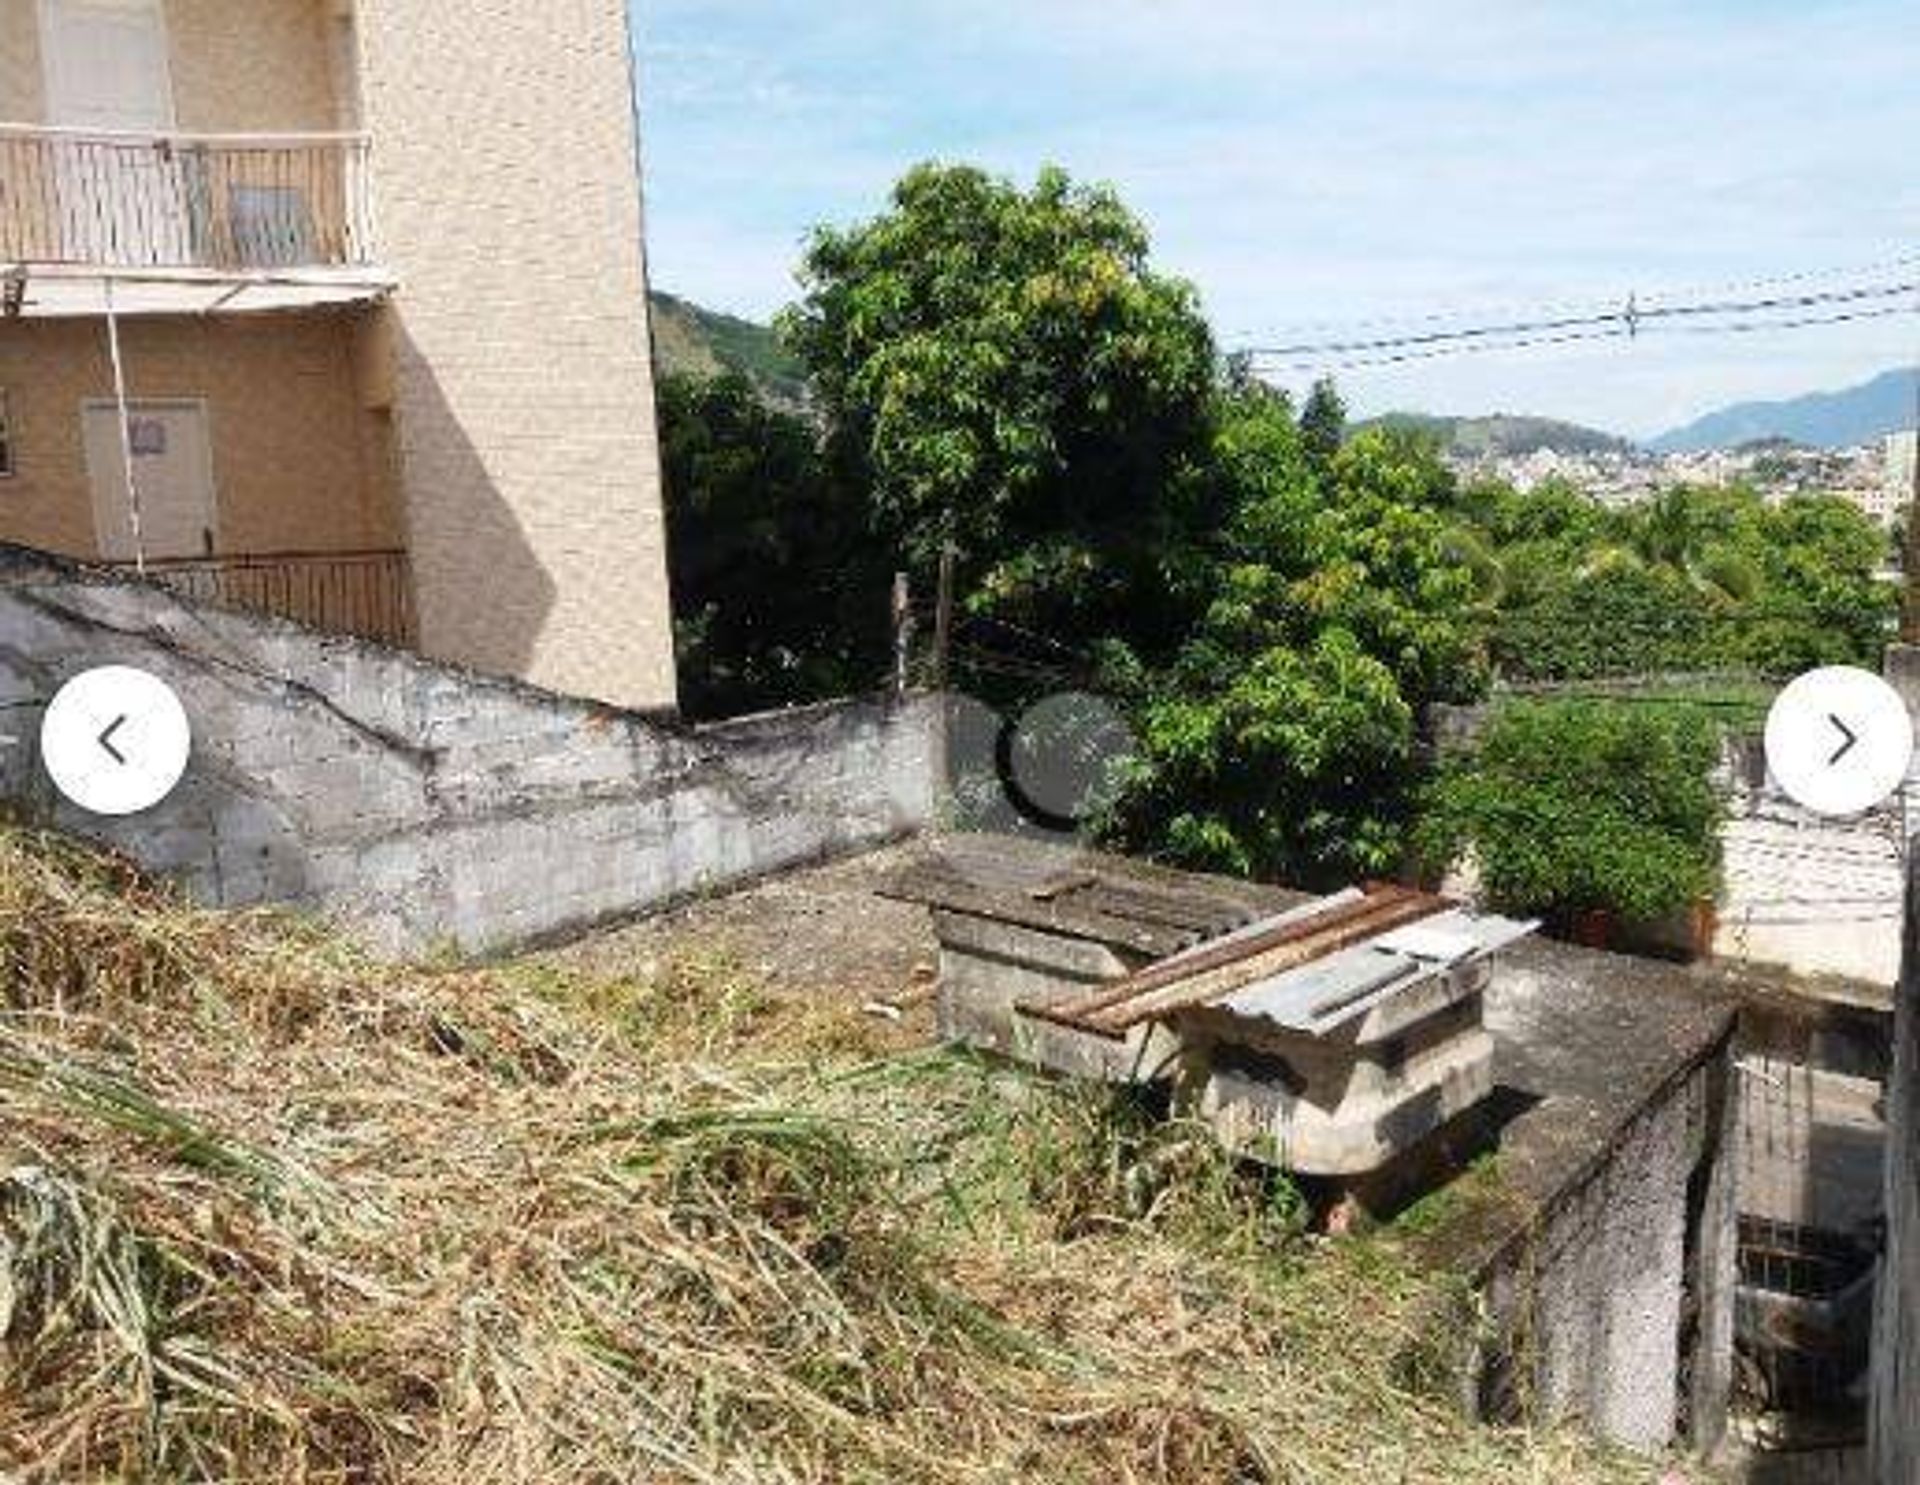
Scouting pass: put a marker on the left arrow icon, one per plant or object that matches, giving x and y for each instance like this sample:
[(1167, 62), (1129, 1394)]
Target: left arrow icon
[(115, 740), (106, 740)]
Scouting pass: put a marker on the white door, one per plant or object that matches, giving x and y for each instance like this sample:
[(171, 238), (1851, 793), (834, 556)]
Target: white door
[(172, 471), (122, 202)]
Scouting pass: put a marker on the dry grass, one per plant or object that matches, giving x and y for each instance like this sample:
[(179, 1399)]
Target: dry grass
[(270, 1212)]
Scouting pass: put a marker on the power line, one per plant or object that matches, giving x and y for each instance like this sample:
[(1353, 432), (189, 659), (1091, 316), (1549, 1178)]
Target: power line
[(1538, 309), (1572, 337), (1632, 318)]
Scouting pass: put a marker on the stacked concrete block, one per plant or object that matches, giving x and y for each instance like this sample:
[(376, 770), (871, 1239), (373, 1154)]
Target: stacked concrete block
[(1348, 1101), (990, 970)]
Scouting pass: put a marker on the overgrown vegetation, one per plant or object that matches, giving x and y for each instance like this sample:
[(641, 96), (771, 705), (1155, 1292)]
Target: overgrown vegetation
[(778, 585), (1571, 807), (1697, 579), (270, 1212), (1275, 600)]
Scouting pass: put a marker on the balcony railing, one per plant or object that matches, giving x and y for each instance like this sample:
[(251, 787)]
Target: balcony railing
[(228, 203), (360, 593)]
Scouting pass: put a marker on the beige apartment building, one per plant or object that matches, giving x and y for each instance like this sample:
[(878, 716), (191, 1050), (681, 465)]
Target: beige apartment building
[(336, 308)]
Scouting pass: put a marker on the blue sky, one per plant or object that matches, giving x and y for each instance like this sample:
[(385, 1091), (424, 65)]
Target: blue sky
[(1307, 165)]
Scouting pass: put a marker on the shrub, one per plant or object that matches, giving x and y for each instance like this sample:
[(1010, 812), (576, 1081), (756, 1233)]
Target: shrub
[(1573, 806)]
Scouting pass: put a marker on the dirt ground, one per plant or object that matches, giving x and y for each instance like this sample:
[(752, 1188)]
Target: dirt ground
[(816, 931)]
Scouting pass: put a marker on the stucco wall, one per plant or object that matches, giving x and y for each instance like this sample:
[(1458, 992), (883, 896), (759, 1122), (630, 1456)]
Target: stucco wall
[(297, 461), (246, 66), (22, 95), (1590, 1308), (506, 190), (1896, 1360), (251, 66), (427, 805)]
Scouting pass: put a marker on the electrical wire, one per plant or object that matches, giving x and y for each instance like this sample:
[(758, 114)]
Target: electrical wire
[(1595, 301), (1646, 332), (1630, 316)]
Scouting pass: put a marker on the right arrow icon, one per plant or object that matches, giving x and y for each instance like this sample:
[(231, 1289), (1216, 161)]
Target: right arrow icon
[(1839, 741), (1846, 732)]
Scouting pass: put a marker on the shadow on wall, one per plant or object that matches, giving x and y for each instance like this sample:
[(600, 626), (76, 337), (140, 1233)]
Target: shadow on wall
[(481, 596)]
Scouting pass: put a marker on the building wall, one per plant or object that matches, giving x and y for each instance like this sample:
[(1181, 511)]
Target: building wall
[(507, 194), (297, 462), (22, 95), (1588, 1312), (251, 66), (1896, 1358), (238, 66), (428, 806)]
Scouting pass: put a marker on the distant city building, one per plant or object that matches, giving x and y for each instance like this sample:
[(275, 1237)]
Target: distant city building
[(1897, 481), (1877, 478)]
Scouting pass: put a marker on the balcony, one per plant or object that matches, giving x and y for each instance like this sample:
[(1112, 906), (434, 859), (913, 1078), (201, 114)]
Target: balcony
[(193, 223), (359, 593)]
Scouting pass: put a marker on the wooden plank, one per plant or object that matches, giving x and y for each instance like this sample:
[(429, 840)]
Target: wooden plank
[(1292, 926), (1379, 917), (940, 890), (1198, 976)]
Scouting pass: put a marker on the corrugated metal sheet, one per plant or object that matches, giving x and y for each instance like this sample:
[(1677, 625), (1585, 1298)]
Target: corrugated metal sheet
[(1319, 997)]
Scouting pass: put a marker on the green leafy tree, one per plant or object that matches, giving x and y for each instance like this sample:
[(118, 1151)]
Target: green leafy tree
[(1608, 619), (1002, 368), (1282, 741), (1821, 599), (1323, 423), (780, 588), (1698, 578)]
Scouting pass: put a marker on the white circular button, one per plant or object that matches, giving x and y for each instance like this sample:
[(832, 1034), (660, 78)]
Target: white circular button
[(1839, 740), (115, 740)]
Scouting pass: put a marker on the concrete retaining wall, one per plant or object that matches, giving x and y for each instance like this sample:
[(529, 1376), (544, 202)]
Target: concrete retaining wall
[(1590, 1308), (426, 805)]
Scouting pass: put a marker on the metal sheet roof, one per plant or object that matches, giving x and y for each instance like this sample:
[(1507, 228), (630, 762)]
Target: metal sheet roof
[(1327, 993)]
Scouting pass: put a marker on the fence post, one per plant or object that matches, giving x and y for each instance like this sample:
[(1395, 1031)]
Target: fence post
[(902, 635), (942, 653)]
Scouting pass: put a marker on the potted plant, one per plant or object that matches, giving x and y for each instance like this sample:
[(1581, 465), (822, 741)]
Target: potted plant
[(1600, 817)]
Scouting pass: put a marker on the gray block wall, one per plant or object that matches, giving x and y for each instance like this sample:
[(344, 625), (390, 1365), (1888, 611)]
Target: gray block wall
[(428, 806)]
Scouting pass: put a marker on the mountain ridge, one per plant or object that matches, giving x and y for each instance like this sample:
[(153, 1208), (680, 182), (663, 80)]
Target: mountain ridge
[(1823, 420), (1497, 435), (692, 340)]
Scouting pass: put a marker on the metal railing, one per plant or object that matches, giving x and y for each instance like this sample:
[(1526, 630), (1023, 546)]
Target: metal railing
[(364, 593), (230, 203)]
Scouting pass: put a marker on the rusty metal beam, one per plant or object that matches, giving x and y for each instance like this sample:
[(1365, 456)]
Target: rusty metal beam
[(1197, 978)]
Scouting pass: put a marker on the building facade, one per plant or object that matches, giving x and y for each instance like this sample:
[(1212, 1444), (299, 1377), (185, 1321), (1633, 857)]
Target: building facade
[(337, 308), (1900, 483)]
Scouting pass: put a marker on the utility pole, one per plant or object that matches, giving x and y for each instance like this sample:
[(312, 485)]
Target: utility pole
[(943, 619), (1910, 558)]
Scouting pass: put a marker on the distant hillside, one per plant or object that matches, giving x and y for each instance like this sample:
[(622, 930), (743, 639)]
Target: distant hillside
[(1822, 420), (1503, 434), (703, 342)]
